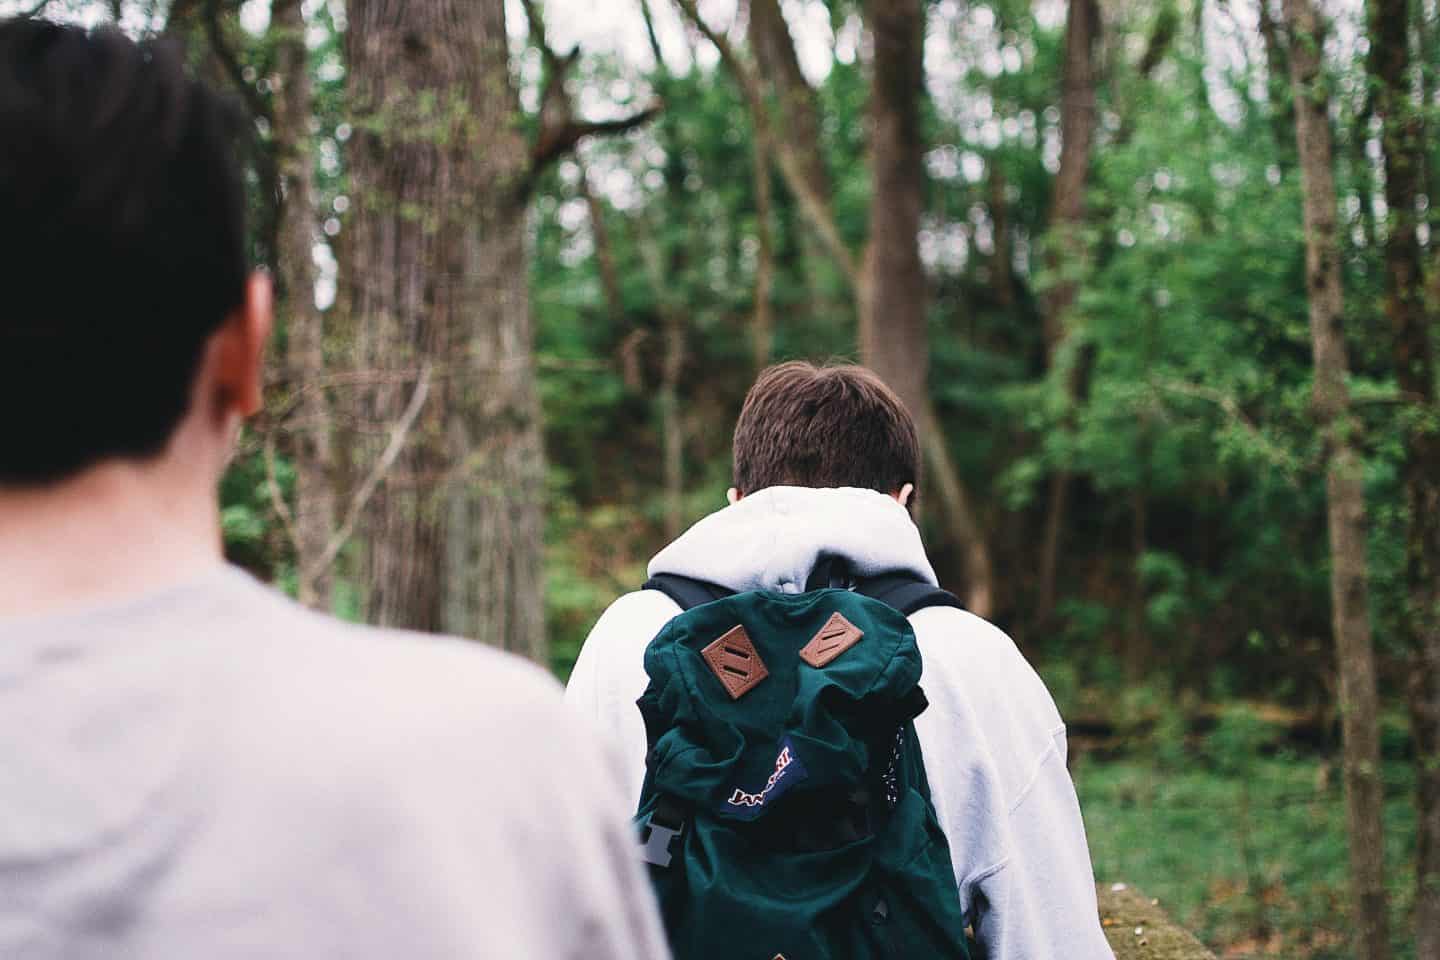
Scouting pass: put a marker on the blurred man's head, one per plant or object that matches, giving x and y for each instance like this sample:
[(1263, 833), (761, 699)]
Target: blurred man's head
[(126, 309), (830, 426)]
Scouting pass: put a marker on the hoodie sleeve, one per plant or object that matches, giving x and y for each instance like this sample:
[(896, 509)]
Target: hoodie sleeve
[(994, 748), (609, 677), (1039, 902)]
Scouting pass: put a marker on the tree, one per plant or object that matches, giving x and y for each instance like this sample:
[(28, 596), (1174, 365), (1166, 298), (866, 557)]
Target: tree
[(893, 336), (1345, 495), (1411, 322), (439, 307), (438, 303), (314, 514), (1065, 255)]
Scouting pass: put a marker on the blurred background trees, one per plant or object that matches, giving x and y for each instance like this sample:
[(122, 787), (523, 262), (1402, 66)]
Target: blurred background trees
[(532, 253)]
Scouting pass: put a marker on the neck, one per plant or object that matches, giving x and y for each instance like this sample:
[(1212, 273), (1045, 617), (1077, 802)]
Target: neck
[(114, 531)]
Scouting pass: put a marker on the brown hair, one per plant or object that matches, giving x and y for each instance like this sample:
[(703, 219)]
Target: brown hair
[(828, 426)]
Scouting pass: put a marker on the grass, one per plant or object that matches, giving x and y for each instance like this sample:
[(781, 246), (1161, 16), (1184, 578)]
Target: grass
[(1248, 853)]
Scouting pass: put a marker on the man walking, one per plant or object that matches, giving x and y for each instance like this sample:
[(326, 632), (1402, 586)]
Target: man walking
[(826, 463), (190, 765)]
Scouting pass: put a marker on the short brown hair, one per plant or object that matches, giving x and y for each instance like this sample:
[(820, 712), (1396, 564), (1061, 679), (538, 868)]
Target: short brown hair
[(828, 426)]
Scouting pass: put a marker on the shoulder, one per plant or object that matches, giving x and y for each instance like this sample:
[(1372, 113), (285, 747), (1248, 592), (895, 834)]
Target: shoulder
[(450, 776), (638, 611), (983, 692), (292, 680), (610, 668), (959, 647), (620, 636)]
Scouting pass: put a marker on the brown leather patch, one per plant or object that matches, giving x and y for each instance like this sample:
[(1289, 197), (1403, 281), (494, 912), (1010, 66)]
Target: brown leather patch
[(837, 636), (737, 663)]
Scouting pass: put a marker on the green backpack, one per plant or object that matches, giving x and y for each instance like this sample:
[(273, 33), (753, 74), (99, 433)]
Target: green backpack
[(785, 813)]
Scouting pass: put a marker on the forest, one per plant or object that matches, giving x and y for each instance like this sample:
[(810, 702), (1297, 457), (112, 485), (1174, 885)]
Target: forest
[(1158, 280)]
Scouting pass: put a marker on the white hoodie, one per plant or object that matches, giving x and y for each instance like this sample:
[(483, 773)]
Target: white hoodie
[(993, 742)]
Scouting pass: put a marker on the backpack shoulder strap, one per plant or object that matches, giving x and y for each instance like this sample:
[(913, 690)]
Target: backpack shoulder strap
[(687, 592), (906, 593)]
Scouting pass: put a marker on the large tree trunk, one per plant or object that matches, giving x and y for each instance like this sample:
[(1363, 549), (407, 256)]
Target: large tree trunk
[(1345, 494), (314, 513), (894, 339), (1065, 252), (1410, 321), (438, 275)]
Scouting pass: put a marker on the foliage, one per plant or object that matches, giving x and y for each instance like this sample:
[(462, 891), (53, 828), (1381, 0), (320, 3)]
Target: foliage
[(1272, 882)]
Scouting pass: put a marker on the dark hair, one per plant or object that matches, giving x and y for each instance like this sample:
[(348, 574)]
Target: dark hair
[(829, 426), (122, 244)]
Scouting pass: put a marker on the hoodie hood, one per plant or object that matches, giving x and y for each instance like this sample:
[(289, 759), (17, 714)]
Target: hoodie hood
[(772, 539)]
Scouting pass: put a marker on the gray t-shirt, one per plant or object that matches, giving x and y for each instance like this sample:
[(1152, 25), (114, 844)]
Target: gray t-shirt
[(212, 771)]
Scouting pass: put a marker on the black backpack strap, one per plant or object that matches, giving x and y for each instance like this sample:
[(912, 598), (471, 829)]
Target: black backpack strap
[(906, 593), (686, 591)]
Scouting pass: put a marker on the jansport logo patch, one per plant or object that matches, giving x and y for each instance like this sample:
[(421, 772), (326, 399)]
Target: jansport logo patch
[(788, 771)]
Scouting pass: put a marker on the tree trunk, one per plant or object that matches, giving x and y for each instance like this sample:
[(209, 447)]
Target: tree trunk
[(604, 256), (1002, 273), (438, 273), (894, 339), (672, 426), (1077, 133), (796, 117), (762, 318), (1065, 252), (979, 589), (1425, 46), (1345, 494), (1411, 320), (1277, 85), (314, 512)]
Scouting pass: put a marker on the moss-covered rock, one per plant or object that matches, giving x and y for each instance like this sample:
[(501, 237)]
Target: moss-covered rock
[(1139, 930)]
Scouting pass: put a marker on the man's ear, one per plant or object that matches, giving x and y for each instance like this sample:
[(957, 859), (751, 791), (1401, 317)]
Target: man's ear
[(734, 495), (903, 495), (241, 348)]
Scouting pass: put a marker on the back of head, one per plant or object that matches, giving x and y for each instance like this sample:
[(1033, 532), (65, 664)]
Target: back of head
[(122, 242), (826, 426)]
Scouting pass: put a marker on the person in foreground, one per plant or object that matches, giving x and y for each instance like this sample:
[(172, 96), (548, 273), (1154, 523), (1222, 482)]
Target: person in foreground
[(190, 765), (826, 461)]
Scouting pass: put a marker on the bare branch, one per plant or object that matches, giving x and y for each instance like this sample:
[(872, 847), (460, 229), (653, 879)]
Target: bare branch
[(559, 131), (555, 142), (277, 498)]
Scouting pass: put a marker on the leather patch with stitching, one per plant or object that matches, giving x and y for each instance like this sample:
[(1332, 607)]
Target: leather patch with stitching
[(837, 636), (735, 661)]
